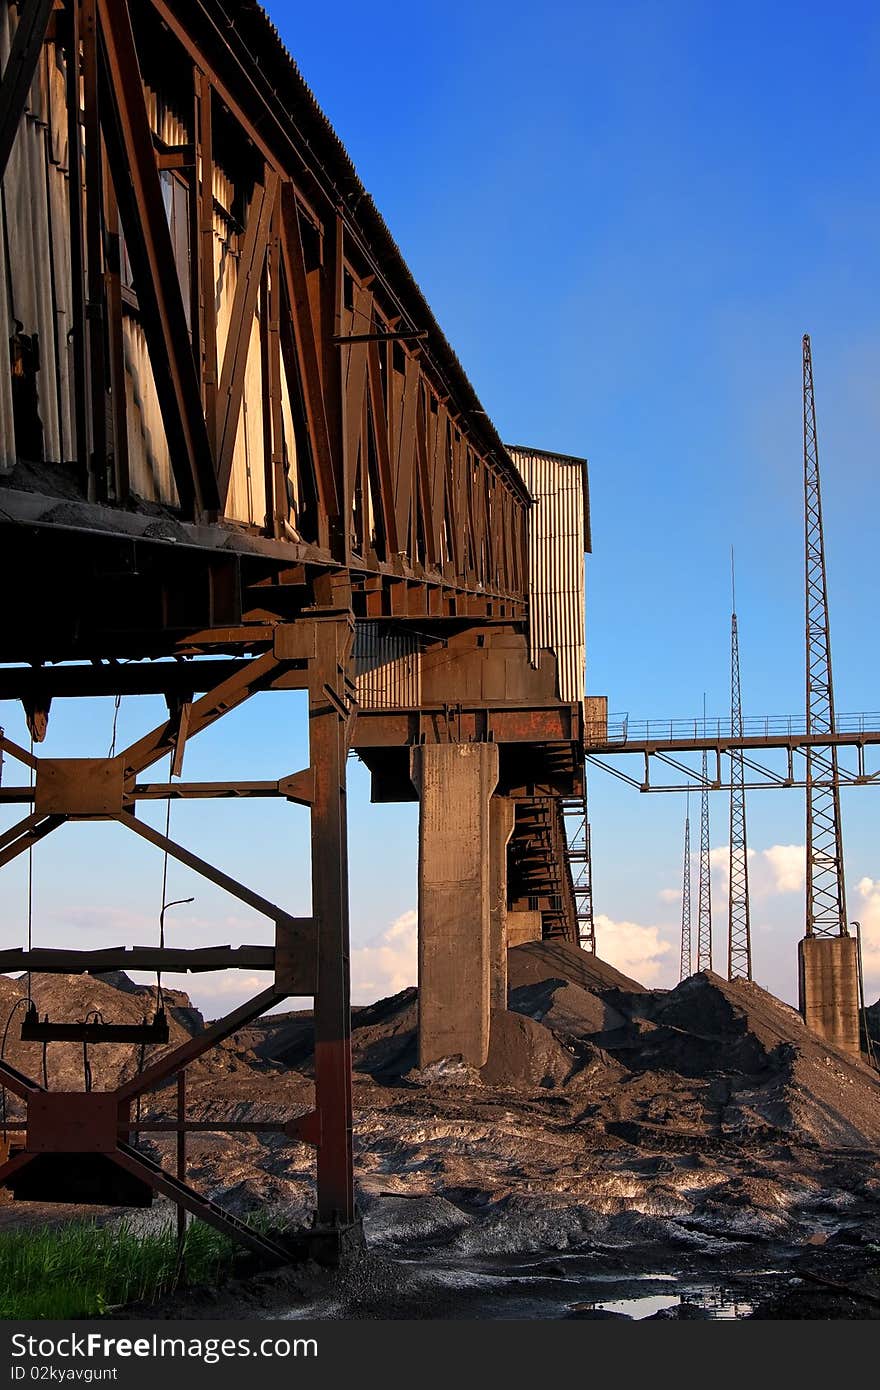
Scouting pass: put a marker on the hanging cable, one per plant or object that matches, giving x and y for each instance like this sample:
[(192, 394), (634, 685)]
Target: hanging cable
[(159, 998), (116, 704), (160, 1003), (86, 1068)]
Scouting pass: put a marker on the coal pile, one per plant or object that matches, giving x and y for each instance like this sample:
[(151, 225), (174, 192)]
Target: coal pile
[(701, 1127)]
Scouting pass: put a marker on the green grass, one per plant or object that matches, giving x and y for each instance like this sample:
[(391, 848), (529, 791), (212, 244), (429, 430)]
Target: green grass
[(82, 1269)]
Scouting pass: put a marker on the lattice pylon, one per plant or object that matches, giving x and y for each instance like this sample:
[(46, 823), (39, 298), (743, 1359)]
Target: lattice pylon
[(686, 949), (704, 896), (826, 891), (739, 935)]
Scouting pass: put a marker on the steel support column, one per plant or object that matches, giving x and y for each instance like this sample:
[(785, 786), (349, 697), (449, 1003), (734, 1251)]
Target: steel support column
[(329, 734)]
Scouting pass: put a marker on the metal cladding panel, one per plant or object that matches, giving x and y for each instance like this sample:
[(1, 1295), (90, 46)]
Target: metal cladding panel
[(387, 667), (34, 203), (558, 535), (36, 300)]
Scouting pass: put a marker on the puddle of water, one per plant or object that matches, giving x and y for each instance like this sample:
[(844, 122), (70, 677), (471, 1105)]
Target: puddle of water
[(635, 1307), (715, 1303)]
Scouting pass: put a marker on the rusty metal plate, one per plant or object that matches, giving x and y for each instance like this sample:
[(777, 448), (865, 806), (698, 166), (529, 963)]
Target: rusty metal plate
[(88, 787), (72, 1122), (296, 956), (295, 642)]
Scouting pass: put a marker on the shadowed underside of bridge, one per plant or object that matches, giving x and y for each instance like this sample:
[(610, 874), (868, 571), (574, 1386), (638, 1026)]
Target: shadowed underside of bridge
[(237, 455)]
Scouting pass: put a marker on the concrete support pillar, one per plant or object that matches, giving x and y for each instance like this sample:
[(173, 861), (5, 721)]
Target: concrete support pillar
[(828, 969), (524, 926), (455, 782), (502, 815)]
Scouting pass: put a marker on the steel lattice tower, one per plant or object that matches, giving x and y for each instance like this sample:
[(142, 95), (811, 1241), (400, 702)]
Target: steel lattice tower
[(826, 893), (685, 969), (704, 898), (739, 935)]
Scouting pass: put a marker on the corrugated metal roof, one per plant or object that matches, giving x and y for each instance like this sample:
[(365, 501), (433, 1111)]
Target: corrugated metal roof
[(275, 72)]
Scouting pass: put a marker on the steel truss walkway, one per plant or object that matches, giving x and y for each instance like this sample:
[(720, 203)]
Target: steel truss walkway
[(666, 741)]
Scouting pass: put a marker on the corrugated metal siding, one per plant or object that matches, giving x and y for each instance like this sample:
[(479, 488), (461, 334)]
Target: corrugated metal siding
[(33, 245), (387, 667), (35, 290), (557, 528)]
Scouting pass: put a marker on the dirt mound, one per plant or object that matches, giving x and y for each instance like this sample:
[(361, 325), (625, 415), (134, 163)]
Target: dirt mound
[(763, 1066), (547, 960), (708, 1025), (70, 999), (525, 1054), (384, 1036), (708, 1004), (566, 1008)]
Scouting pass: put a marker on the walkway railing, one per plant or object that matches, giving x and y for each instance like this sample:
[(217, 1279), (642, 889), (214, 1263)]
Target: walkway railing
[(622, 730)]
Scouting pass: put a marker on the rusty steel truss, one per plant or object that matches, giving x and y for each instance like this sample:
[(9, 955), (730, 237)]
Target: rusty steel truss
[(389, 498)]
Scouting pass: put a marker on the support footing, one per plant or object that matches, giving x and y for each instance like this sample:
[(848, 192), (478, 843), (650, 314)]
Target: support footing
[(335, 1245), (828, 969)]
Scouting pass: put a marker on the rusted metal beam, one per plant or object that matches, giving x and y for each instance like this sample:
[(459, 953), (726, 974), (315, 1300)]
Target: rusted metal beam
[(95, 316), (379, 412), (13, 1164), (36, 1029), (25, 835), (354, 385), (58, 961), (129, 141), (301, 927), (204, 197), (171, 1063), (297, 787), (293, 263), (329, 727), (15, 1081), (238, 337), (341, 339), (115, 340), (77, 261), (116, 678), (278, 502), (254, 675), (503, 723), (181, 1152), (137, 1163), (21, 65)]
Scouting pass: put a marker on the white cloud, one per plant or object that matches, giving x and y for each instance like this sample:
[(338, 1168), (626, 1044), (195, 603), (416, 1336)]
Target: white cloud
[(788, 867), (224, 985), (388, 963), (669, 895), (631, 947), (778, 869), (869, 915)]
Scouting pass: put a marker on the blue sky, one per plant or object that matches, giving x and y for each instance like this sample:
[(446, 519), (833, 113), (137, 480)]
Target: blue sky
[(624, 217)]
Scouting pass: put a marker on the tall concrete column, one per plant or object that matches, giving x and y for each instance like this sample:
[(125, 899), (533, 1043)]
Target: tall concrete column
[(828, 970), (455, 782), (502, 815)]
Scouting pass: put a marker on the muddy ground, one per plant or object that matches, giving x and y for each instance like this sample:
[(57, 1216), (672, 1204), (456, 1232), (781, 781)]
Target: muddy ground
[(624, 1153)]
